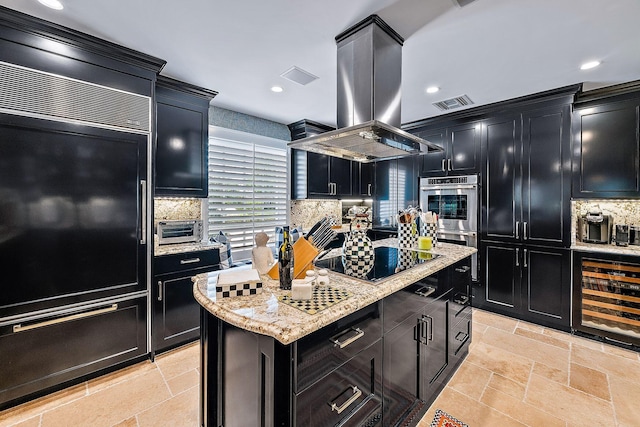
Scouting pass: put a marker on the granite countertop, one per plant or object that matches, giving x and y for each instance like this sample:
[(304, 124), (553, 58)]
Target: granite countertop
[(178, 248), (265, 315), (633, 250)]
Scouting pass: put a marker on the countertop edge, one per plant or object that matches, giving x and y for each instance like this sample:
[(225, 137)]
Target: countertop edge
[(290, 324)]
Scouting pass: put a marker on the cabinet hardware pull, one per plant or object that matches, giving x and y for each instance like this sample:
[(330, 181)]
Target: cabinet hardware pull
[(517, 229), (463, 300), (524, 230), (20, 328), (189, 261), (143, 212), (430, 328), (443, 168), (517, 257), (524, 259), (425, 291), (356, 394), (369, 189), (449, 167), (336, 338), (159, 290)]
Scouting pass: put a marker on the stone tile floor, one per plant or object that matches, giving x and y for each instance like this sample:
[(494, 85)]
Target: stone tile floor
[(516, 374)]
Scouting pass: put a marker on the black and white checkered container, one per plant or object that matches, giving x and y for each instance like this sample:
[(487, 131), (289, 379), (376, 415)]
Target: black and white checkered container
[(358, 267), (239, 289), (430, 229), (358, 245), (407, 235), (406, 259)]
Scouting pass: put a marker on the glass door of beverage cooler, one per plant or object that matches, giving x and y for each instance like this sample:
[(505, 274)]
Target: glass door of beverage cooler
[(609, 297)]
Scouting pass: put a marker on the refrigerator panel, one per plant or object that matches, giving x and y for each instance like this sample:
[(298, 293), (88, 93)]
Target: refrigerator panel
[(69, 213)]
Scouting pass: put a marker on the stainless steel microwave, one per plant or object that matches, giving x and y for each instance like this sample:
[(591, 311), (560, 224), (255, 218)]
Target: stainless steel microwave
[(179, 231)]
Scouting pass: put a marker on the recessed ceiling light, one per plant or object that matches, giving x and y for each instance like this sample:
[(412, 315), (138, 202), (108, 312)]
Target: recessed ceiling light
[(589, 65), (276, 89), (432, 89), (53, 4)]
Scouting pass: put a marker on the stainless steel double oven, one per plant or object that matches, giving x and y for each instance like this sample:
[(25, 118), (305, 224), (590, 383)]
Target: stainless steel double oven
[(455, 200)]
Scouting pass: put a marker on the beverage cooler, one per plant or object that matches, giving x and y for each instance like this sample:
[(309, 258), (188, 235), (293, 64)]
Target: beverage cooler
[(607, 297)]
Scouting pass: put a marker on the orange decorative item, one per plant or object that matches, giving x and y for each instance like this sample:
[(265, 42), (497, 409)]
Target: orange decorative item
[(303, 253)]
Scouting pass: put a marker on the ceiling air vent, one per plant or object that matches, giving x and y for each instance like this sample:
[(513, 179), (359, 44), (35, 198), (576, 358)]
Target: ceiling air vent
[(450, 104), (298, 75)]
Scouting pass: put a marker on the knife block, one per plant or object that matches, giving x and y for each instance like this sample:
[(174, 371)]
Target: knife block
[(303, 254)]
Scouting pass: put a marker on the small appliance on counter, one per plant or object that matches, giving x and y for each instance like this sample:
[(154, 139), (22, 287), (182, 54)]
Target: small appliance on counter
[(622, 235), (634, 235), (179, 231), (595, 227)]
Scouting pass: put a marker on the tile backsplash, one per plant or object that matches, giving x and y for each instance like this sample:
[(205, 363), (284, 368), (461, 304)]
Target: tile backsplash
[(177, 208), (308, 212)]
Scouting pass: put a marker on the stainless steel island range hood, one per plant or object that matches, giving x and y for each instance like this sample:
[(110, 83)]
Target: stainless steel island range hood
[(368, 111)]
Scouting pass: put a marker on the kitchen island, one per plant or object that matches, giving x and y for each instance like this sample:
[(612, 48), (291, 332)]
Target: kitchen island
[(265, 362)]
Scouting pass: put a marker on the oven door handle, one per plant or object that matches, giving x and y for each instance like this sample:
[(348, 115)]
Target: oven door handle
[(449, 187)]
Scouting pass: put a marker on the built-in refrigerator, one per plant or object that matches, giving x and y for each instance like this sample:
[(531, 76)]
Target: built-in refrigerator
[(73, 247)]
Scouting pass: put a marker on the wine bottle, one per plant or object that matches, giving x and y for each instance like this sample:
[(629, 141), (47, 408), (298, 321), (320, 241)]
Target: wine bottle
[(285, 260)]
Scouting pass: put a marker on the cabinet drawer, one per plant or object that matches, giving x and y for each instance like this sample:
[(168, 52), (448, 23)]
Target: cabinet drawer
[(351, 392), (460, 332), (186, 261), (63, 347), (321, 352)]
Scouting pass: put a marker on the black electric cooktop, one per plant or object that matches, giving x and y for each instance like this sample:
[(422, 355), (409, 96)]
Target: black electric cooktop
[(385, 262)]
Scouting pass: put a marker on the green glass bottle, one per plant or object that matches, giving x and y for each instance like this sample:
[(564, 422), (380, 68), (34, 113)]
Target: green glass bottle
[(285, 260)]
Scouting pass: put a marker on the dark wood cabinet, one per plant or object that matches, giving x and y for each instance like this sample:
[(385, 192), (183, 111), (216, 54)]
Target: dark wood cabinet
[(461, 154), (526, 197), (607, 150), (320, 176), (176, 313), (527, 282), (182, 117)]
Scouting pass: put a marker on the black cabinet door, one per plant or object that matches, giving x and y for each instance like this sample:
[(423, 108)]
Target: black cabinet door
[(546, 216), (328, 176), (176, 317), (407, 181), (385, 207), (501, 195), (365, 179), (340, 175), (434, 350), (500, 264), (318, 174), (607, 148), (400, 368), (546, 286), (181, 150), (464, 148), (434, 163)]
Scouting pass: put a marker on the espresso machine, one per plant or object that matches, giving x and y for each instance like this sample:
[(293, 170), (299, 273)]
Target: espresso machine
[(595, 227)]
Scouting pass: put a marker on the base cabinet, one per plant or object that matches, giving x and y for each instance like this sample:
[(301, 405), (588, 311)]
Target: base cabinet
[(176, 313), (527, 282)]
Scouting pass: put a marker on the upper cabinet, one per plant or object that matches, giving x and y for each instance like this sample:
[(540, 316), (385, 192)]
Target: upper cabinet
[(461, 155), (319, 176), (607, 147), (182, 115), (526, 182)]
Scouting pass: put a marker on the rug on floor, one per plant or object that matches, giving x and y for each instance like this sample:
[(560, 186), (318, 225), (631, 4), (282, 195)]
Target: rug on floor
[(442, 419)]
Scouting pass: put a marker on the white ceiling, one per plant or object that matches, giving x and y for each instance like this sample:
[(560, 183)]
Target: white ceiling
[(491, 50)]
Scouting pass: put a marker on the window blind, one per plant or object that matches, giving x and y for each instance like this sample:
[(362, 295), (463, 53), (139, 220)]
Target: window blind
[(247, 190)]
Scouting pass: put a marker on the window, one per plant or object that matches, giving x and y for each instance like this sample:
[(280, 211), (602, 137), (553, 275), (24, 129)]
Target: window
[(247, 187)]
